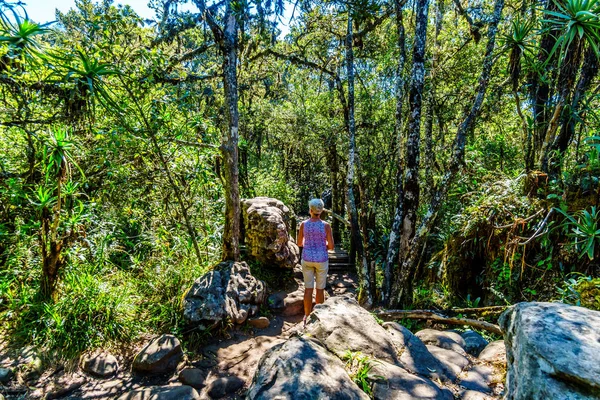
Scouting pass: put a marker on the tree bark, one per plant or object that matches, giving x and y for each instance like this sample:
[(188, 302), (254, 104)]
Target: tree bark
[(417, 244), (567, 129), (411, 188), (394, 240), (430, 315), (227, 41), (363, 268)]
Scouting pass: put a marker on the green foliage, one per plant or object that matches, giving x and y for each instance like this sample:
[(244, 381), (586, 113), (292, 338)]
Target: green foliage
[(91, 311), (359, 366), (584, 228), (576, 20), (581, 290)]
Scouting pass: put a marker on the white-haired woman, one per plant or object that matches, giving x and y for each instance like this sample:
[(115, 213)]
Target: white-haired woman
[(315, 238)]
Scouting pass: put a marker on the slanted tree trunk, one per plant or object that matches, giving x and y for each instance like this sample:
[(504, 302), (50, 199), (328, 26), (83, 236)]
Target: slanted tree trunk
[(394, 240), (566, 81), (367, 289), (567, 128), (417, 244), (410, 199)]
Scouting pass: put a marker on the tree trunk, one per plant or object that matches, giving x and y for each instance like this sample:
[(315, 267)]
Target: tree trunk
[(229, 146), (410, 199), (363, 268), (540, 91), (429, 142), (394, 240), (417, 244), (568, 122)]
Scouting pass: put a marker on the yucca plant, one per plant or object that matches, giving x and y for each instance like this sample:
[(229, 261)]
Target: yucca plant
[(518, 42), (577, 25), (584, 228), (575, 20), (20, 38), (87, 74)]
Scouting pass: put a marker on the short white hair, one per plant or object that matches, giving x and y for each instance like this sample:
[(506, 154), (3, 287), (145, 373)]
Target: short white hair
[(316, 206)]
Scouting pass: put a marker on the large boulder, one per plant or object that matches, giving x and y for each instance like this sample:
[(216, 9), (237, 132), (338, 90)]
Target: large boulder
[(342, 325), (266, 223), (391, 382), (228, 291), (162, 393), (301, 368), (553, 352), (414, 355)]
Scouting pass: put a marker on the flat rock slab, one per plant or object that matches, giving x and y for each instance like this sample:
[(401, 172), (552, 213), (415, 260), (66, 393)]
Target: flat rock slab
[(452, 362), (554, 351), (100, 365), (223, 386), (494, 353), (162, 393), (474, 342), (478, 379), (446, 340), (161, 355), (391, 382), (342, 325), (414, 355), (242, 359), (301, 368), (474, 395)]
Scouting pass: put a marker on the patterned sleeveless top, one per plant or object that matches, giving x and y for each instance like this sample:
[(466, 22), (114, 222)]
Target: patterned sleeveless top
[(315, 242)]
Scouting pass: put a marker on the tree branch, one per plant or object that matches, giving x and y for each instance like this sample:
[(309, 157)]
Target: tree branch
[(431, 315)]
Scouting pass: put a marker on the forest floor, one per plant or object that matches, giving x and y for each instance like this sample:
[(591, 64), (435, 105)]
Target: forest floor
[(234, 356)]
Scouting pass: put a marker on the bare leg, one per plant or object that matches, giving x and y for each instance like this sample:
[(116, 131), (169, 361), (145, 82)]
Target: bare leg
[(308, 294), (320, 296)]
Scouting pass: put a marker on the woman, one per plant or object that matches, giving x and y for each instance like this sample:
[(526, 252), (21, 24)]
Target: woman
[(315, 238)]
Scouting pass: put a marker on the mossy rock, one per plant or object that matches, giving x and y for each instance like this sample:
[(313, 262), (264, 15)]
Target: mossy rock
[(589, 292)]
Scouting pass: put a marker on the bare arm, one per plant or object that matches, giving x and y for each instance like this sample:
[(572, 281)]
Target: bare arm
[(300, 240), (330, 244)]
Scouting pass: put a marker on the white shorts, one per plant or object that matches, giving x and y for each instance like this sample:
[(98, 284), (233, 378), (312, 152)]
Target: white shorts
[(315, 271)]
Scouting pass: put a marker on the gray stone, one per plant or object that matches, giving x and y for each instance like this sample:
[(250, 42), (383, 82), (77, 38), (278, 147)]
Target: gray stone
[(228, 291), (301, 368), (6, 375), (342, 325), (101, 365), (266, 223), (446, 340), (161, 355), (474, 342), (259, 323), (478, 378), (162, 393), (391, 382), (553, 352), (287, 304), (414, 355), (495, 353), (474, 395), (452, 362), (223, 386), (193, 377), (1, 396)]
